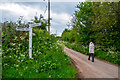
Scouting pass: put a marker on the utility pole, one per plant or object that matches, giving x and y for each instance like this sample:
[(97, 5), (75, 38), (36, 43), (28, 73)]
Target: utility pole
[(49, 16), (56, 33)]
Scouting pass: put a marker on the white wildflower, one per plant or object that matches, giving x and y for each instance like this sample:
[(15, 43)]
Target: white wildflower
[(22, 38), (19, 58), (45, 42), (17, 65), (36, 70), (18, 61), (13, 44), (21, 74), (26, 67), (22, 55), (15, 37)]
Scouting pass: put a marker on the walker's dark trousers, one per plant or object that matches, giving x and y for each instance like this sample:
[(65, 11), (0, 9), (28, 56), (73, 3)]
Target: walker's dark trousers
[(92, 56)]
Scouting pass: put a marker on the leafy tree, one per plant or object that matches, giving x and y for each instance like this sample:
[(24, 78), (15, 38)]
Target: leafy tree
[(97, 22)]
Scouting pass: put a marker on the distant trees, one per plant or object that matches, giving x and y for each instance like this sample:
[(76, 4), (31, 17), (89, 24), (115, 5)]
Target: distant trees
[(97, 22), (9, 28), (65, 35)]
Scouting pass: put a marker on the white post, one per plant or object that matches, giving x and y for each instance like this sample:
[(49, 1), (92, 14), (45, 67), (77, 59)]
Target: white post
[(30, 35), (30, 42)]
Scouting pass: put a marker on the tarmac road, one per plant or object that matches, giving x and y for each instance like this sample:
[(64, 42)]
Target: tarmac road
[(89, 69)]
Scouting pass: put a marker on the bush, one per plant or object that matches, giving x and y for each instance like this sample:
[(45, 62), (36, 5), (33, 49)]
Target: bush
[(48, 59), (110, 56)]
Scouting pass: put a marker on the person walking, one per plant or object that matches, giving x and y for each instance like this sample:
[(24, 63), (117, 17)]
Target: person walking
[(91, 51)]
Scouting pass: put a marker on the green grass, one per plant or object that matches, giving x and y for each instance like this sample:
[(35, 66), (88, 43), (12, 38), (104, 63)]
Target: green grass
[(55, 64)]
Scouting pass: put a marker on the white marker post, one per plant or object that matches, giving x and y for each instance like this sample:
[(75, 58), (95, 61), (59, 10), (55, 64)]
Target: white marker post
[(30, 35)]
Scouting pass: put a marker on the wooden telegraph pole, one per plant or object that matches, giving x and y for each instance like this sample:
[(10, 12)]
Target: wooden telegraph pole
[(49, 16)]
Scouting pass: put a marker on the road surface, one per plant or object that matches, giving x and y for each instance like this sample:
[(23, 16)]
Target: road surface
[(89, 69)]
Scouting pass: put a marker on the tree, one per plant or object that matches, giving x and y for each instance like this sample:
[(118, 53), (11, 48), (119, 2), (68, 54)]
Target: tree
[(97, 22), (41, 20)]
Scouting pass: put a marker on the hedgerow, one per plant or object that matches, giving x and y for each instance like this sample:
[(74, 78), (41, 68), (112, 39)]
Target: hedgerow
[(48, 59)]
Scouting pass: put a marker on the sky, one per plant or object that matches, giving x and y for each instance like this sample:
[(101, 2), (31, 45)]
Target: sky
[(60, 12)]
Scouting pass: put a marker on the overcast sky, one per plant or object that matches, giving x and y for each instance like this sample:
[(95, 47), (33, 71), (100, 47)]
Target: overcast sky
[(61, 12)]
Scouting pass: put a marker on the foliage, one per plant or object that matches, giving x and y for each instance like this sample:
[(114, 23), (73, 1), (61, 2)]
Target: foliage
[(110, 56), (97, 22), (49, 61), (41, 20)]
